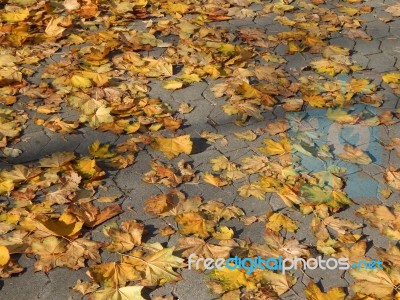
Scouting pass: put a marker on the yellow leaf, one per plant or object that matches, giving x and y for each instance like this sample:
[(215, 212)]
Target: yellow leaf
[(6, 186), (295, 47), (132, 128), (157, 267), (373, 282), (246, 135), (98, 151), (123, 293), (280, 283), (172, 147), (332, 51), (214, 180), (340, 116), (57, 160), (314, 293), (52, 28), (194, 223), (17, 15), (172, 84), (88, 167), (60, 227), (391, 78), (232, 279), (190, 78), (284, 21), (276, 148), (220, 163), (351, 11), (277, 221), (180, 8), (224, 233), (185, 108), (4, 255), (392, 177), (80, 81), (113, 274), (385, 193)]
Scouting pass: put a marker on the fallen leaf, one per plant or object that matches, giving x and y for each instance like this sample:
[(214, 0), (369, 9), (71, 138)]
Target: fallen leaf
[(172, 147), (355, 155), (314, 293)]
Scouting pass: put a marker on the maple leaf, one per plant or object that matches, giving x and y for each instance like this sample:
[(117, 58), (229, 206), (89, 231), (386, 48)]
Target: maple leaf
[(392, 177), (17, 15), (277, 221), (85, 287), (354, 252), (314, 293), (276, 148), (53, 29), (280, 283), (391, 78), (189, 245), (172, 147), (340, 116), (157, 268), (355, 155), (124, 238), (223, 233), (221, 211), (394, 10), (159, 204), (172, 84), (230, 280), (277, 127), (164, 174), (78, 251), (114, 274), (80, 81), (91, 215), (123, 293), (20, 173), (275, 245), (214, 180), (355, 33), (100, 151), (378, 283), (195, 223), (6, 186), (383, 218), (57, 125), (88, 168), (211, 136), (51, 251), (57, 160), (185, 108), (220, 163), (390, 255), (246, 135), (66, 225)]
